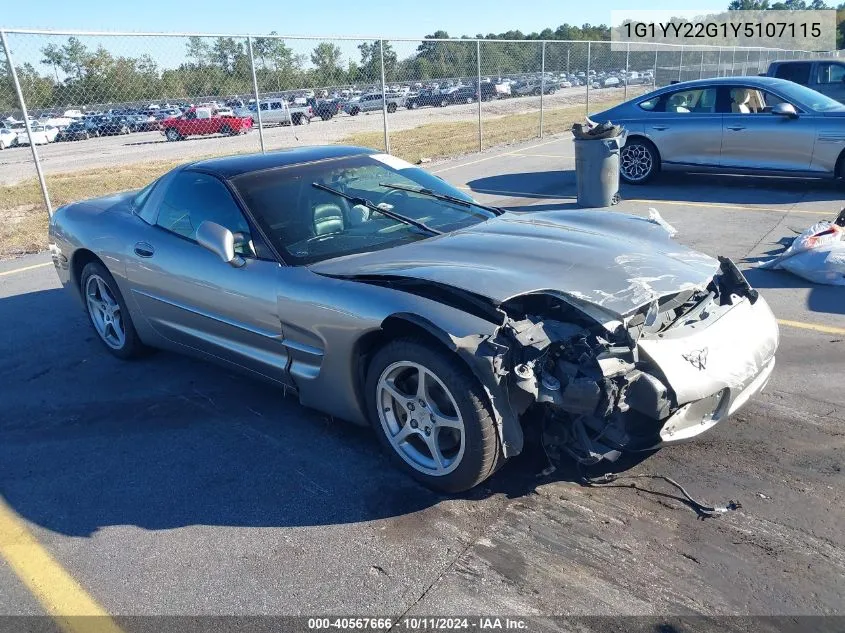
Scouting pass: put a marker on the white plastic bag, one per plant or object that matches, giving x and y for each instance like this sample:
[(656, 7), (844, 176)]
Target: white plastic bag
[(818, 255), (655, 217)]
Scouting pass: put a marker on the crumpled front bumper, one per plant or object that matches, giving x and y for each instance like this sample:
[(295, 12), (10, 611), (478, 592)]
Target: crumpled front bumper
[(715, 371)]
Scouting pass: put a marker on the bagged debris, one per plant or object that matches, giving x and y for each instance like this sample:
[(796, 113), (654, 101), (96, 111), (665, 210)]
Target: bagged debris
[(817, 254), (592, 131)]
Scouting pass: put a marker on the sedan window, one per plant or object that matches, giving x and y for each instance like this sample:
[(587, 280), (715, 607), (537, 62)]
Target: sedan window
[(752, 101), (700, 100)]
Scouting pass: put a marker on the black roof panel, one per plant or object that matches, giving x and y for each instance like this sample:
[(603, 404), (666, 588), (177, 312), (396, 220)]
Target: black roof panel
[(231, 166)]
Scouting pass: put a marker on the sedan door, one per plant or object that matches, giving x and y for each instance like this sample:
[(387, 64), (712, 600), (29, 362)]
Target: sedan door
[(755, 139), (192, 298), (684, 126)]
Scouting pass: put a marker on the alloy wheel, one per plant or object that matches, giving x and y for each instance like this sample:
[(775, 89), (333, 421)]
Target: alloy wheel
[(420, 418), (636, 162), (105, 312)]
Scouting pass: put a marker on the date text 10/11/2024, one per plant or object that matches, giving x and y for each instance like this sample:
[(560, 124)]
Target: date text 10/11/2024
[(419, 623)]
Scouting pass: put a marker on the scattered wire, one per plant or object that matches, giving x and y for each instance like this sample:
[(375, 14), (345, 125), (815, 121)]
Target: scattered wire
[(703, 510)]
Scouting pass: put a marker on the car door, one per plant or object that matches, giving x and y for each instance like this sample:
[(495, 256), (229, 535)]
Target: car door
[(684, 126), (192, 298), (830, 80), (753, 138)]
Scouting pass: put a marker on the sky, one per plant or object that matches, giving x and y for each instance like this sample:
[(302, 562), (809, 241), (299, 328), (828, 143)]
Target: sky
[(385, 18)]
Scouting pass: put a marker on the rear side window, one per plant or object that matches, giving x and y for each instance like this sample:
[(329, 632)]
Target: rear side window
[(830, 73), (799, 72)]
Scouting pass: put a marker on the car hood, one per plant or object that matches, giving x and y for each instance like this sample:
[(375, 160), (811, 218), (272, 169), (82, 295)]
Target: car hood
[(616, 261)]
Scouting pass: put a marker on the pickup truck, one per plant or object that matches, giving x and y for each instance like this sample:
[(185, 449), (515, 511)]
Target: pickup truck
[(200, 121), (278, 112), (372, 102), (826, 76)]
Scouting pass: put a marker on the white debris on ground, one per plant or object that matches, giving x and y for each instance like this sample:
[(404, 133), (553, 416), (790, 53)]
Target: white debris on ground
[(817, 254), (654, 216)]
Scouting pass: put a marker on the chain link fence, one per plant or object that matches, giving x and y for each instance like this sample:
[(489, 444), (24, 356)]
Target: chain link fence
[(88, 113)]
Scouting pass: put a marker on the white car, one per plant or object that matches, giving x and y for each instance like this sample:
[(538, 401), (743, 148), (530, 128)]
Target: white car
[(41, 134), (8, 137)]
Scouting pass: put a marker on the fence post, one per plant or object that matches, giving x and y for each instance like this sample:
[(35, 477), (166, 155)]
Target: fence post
[(701, 66), (719, 63), (255, 91), (733, 62), (478, 68), (384, 99), (587, 80), (654, 77), (627, 70), (542, 82), (745, 64), (19, 92), (681, 63)]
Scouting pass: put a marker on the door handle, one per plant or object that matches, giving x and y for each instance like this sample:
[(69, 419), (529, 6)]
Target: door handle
[(736, 128), (142, 249), (660, 127)]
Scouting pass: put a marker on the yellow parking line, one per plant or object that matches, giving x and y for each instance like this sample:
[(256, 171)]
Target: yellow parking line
[(826, 329), (73, 609), (481, 160), (25, 268), (735, 207)]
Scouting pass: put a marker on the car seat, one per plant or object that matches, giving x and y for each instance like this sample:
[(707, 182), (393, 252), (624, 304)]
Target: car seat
[(739, 100), (678, 103), (327, 218)]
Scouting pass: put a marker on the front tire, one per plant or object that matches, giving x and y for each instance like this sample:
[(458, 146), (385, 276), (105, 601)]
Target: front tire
[(432, 416), (638, 161), (172, 134), (107, 312), (391, 108)]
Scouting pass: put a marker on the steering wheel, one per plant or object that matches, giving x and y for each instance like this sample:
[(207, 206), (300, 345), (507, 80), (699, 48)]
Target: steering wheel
[(391, 192)]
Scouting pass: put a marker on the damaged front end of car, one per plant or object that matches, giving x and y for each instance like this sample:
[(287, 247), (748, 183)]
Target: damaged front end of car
[(599, 384)]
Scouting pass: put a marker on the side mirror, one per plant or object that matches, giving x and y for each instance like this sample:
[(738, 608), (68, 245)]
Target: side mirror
[(785, 109), (220, 241)]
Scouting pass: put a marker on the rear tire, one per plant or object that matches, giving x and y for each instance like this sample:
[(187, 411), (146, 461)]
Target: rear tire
[(227, 130), (354, 112), (450, 439), (443, 103), (172, 134), (391, 108), (639, 161), (107, 312)]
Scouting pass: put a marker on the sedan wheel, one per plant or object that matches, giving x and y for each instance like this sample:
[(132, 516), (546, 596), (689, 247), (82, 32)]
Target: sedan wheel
[(637, 162), (107, 312), (432, 416)]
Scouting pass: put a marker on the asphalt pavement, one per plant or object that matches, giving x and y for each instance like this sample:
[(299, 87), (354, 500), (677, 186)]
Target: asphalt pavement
[(167, 486)]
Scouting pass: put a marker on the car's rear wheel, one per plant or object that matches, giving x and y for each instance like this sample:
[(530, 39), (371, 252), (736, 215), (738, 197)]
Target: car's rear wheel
[(226, 130), (432, 416), (413, 105), (638, 161), (172, 134), (391, 108), (354, 112), (443, 103), (107, 312)]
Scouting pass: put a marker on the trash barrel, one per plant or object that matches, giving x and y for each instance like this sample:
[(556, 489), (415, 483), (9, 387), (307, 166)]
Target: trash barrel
[(597, 170)]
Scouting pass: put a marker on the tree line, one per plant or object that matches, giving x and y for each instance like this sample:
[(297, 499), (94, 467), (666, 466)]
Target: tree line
[(72, 74)]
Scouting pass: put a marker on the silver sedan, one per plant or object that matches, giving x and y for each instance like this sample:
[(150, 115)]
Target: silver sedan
[(738, 125), (380, 294)]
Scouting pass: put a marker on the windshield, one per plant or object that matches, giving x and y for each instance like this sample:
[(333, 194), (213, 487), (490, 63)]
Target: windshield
[(308, 224), (796, 93)]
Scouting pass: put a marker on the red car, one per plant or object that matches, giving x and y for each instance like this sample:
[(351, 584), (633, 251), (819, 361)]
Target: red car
[(198, 121)]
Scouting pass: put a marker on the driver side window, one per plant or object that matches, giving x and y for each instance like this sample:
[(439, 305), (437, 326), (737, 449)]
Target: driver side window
[(193, 197)]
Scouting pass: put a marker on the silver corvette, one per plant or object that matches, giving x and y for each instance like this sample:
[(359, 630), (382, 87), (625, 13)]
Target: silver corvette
[(382, 295), (738, 125)]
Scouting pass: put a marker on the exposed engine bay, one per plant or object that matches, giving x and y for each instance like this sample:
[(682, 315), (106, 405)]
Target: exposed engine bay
[(594, 391)]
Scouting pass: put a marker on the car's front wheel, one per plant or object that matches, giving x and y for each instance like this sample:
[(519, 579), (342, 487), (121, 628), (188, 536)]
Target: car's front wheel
[(107, 312), (432, 416), (172, 134), (638, 161)]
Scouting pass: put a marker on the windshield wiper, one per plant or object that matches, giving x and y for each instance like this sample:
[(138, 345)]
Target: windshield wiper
[(442, 196), (388, 212)]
